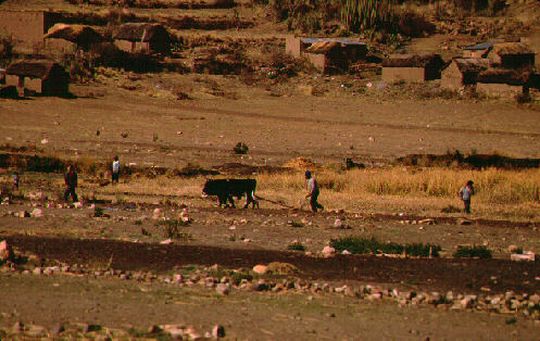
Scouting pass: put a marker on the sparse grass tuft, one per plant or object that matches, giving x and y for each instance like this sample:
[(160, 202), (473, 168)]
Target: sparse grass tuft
[(296, 246), (241, 148)]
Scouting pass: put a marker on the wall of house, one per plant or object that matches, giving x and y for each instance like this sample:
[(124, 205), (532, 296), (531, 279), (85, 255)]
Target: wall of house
[(408, 74), (33, 84), (124, 45), (292, 46), (499, 90), (12, 80), (318, 61), (28, 27), (451, 77), (60, 45)]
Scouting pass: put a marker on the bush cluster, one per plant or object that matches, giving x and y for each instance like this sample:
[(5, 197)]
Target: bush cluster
[(357, 245), (475, 251)]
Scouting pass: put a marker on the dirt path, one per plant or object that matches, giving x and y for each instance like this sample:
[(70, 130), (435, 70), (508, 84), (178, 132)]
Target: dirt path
[(466, 275)]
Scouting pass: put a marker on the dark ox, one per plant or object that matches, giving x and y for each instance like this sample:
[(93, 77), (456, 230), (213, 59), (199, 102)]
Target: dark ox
[(226, 189)]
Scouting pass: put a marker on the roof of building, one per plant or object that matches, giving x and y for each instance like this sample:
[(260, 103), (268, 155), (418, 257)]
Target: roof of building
[(322, 47), (344, 41), (479, 47), (503, 49), (466, 65), (413, 60), (503, 76), (74, 33), (142, 32), (32, 68)]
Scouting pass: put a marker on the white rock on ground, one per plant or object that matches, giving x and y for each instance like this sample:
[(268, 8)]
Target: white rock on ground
[(328, 252)]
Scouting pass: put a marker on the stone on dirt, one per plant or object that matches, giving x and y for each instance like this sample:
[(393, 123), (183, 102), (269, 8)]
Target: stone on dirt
[(526, 256), (35, 331), (4, 251), (157, 214), (166, 241), (223, 289), (17, 327), (260, 269), (280, 268), (37, 213), (463, 221), (77, 204), (218, 331), (328, 252)]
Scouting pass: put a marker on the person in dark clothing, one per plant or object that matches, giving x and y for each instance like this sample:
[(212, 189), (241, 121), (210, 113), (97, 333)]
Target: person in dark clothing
[(16, 181), (70, 178), (313, 192)]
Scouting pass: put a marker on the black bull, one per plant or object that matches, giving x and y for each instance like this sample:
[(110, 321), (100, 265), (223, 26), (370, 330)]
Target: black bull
[(226, 189)]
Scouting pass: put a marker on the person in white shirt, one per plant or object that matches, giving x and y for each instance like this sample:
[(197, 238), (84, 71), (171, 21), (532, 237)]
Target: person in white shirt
[(115, 170), (465, 193)]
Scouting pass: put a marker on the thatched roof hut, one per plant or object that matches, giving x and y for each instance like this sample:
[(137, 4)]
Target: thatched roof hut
[(503, 76), (40, 76), (81, 35), (413, 60), (512, 55), (322, 47), (143, 37), (471, 65)]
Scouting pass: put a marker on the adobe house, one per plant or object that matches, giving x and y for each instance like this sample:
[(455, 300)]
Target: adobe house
[(502, 82), (463, 72), (512, 56), (143, 38), (27, 27), (412, 68), (480, 50), (327, 54), (43, 77), (71, 37)]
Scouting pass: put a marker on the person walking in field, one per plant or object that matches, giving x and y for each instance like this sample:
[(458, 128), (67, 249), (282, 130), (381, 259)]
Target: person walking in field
[(16, 181), (312, 192), (465, 194), (115, 170), (70, 179)]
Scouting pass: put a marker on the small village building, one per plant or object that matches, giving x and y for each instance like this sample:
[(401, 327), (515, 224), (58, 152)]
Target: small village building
[(512, 56), (502, 82), (43, 77), (463, 73), (480, 50), (66, 38), (143, 38), (328, 55), (412, 68), (27, 28)]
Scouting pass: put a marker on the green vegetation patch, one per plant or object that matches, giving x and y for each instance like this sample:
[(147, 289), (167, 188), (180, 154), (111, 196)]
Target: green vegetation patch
[(357, 245), (475, 251)]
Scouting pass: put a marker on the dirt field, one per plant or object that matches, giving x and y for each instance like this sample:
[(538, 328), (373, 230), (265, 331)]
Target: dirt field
[(113, 269)]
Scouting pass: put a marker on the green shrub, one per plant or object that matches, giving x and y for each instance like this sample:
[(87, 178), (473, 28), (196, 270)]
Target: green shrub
[(241, 148), (296, 246), (98, 212), (475, 251), (171, 229), (358, 245)]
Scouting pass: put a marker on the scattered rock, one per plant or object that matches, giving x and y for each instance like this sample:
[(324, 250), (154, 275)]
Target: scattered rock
[(328, 252), (346, 252), (37, 213), (218, 331), (17, 327), (5, 252), (157, 214), (35, 331), (463, 221), (260, 269), (513, 248), (78, 205), (338, 223), (427, 221), (526, 256), (223, 289), (166, 241), (22, 214)]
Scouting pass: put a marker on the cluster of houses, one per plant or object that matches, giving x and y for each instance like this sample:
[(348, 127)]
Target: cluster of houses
[(38, 29), (498, 68), (494, 68)]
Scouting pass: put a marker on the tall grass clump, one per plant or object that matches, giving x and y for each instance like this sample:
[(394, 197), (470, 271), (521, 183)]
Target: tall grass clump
[(361, 15)]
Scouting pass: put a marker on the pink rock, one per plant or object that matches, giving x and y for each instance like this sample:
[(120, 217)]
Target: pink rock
[(166, 241), (260, 269), (527, 256), (37, 213), (156, 214), (77, 205), (328, 251), (4, 250)]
